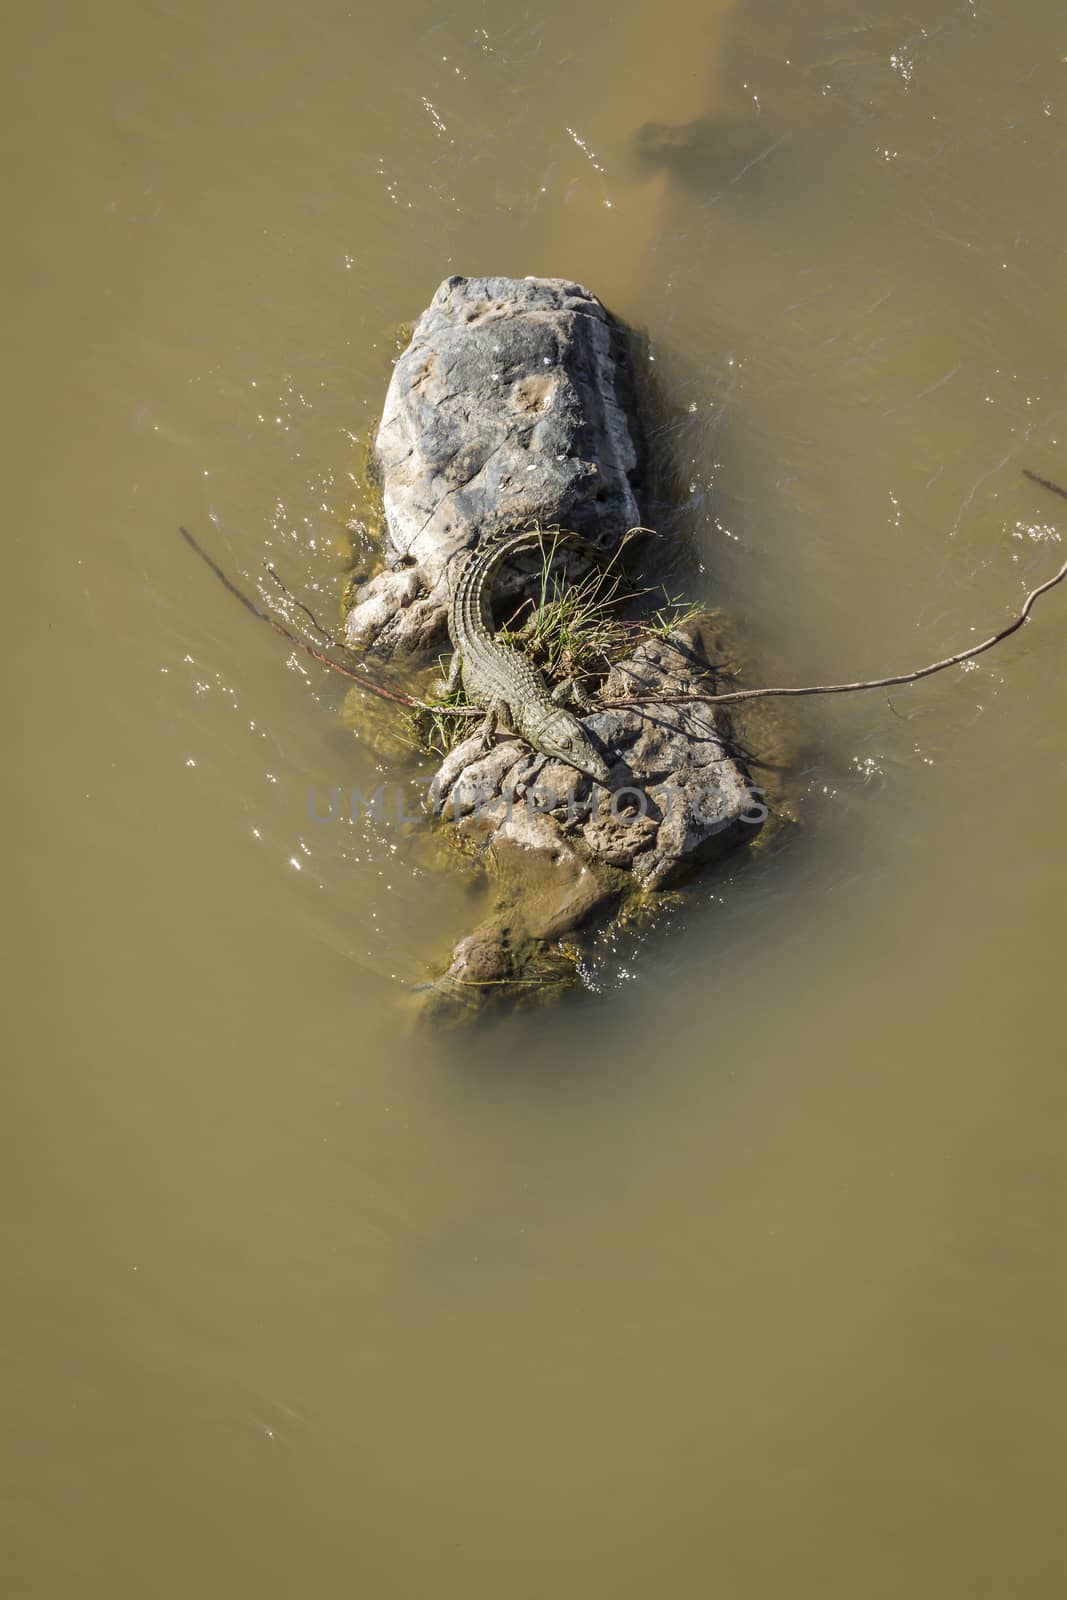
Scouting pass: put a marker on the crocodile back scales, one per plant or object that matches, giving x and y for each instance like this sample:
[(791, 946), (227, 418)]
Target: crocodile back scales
[(493, 671)]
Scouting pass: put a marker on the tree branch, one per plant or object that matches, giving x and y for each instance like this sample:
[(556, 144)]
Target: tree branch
[(732, 697), (363, 678)]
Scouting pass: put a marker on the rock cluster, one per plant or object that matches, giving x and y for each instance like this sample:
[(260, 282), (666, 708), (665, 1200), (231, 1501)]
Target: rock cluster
[(513, 402), (565, 851)]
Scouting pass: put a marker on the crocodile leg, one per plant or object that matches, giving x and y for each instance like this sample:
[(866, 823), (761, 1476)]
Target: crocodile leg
[(572, 691), (455, 668), (496, 710)]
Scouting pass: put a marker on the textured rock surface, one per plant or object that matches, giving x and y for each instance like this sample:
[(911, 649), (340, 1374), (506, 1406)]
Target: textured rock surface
[(512, 401), (564, 850)]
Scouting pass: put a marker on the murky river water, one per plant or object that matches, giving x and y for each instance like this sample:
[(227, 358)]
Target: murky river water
[(744, 1276)]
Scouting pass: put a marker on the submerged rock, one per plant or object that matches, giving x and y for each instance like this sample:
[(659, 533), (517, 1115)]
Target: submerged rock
[(514, 402)]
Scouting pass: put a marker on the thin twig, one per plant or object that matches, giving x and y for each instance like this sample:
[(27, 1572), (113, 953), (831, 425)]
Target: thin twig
[(312, 618), (1046, 483), (364, 679)]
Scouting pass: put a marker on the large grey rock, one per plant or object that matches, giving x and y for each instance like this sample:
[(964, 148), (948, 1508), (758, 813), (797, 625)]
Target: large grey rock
[(512, 401)]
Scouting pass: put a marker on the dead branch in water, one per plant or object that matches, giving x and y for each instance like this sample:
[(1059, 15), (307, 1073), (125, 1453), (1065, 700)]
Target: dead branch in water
[(363, 678), (733, 696), (312, 618), (1046, 483)]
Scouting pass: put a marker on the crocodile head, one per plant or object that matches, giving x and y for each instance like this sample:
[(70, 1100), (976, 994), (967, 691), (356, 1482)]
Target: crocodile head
[(561, 737)]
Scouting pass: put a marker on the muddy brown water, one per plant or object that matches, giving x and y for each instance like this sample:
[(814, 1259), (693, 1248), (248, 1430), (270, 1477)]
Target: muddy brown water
[(744, 1276)]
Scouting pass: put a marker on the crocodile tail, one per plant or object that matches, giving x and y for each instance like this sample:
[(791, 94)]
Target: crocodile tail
[(549, 540), (472, 592)]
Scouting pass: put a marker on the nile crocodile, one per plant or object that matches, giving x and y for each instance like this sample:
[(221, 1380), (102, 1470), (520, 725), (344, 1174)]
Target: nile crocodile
[(503, 681)]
